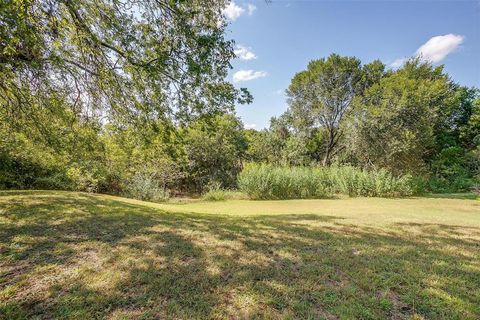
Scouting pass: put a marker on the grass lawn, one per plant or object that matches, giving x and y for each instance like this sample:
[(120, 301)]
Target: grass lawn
[(80, 256)]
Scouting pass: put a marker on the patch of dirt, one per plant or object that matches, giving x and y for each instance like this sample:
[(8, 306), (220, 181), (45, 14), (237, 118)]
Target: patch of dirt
[(400, 310)]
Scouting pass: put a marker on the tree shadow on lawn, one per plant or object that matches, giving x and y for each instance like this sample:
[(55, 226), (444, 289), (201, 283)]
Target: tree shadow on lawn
[(462, 196), (88, 258)]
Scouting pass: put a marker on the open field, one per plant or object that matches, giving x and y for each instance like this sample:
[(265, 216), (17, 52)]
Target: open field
[(81, 256)]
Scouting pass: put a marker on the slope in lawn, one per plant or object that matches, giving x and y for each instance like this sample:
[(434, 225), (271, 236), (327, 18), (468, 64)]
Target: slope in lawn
[(71, 255)]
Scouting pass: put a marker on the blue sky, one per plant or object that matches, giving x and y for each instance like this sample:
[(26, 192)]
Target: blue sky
[(278, 39)]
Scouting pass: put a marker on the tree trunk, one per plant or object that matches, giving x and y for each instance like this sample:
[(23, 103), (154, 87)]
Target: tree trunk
[(326, 159), (331, 144)]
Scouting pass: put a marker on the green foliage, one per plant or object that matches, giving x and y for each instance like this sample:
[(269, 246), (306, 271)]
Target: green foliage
[(142, 165), (215, 195), (455, 170), (321, 96), (264, 181), (144, 186), (24, 165), (404, 121), (296, 152), (82, 180), (369, 183), (222, 194), (89, 94), (411, 121), (462, 125), (396, 119), (143, 60), (268, 145), (214, 149)]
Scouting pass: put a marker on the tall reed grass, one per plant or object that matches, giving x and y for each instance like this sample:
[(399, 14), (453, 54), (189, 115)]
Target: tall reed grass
[(265, 181)]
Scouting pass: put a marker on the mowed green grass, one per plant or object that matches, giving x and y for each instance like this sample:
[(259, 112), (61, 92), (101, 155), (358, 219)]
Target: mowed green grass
[(70, 255)]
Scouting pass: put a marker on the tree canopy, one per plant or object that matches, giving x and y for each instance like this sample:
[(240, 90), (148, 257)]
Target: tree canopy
[(129, 59), (322, 95)]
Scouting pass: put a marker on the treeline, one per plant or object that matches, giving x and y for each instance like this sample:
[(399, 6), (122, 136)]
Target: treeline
[(149, 163), (414, 120), (401, 132), (96, 99)]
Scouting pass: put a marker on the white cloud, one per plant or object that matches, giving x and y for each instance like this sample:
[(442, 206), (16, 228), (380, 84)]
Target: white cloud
[(437, 48), (244, 53), (251, 8), (246, 75), (233, 11), (250, 126), (398, 63)]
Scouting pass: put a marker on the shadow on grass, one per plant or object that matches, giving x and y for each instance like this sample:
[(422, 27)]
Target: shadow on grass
[(76, 256), (462, 196)]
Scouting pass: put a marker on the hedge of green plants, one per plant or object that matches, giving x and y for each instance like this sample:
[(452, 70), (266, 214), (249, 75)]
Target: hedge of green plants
[(265, 181)]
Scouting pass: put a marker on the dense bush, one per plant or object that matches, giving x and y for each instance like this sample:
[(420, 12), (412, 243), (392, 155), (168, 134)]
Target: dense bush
[(144, 186), (221, 195), (214, 148), (263, 181), (26, 166), (217, 193), (370, 183), (453, 171)]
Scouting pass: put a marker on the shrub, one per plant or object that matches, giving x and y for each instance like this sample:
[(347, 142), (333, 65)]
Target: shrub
[(27, 167), (453, 171), (369, 183), (145, 186), (216, 193), (55, 181), (263, 181), (82, 179), (221, 195), (213, 149)]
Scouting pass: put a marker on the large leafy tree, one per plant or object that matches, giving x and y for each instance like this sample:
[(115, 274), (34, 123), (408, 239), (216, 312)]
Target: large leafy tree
[(464, 119), (69, 66), (129, 59), (456, 162), (397, 119), (321, 96)]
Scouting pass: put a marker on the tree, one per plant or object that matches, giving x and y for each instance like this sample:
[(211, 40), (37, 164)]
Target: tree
[(122, 59), (372, 73), (464, 120), (40, 156), (456, 162), (322, 95), (295, 152), (214, 147), (67, 67), (396, 119)]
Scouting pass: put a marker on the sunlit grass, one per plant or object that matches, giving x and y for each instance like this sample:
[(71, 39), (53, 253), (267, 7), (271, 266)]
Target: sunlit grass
[(80, 256)]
